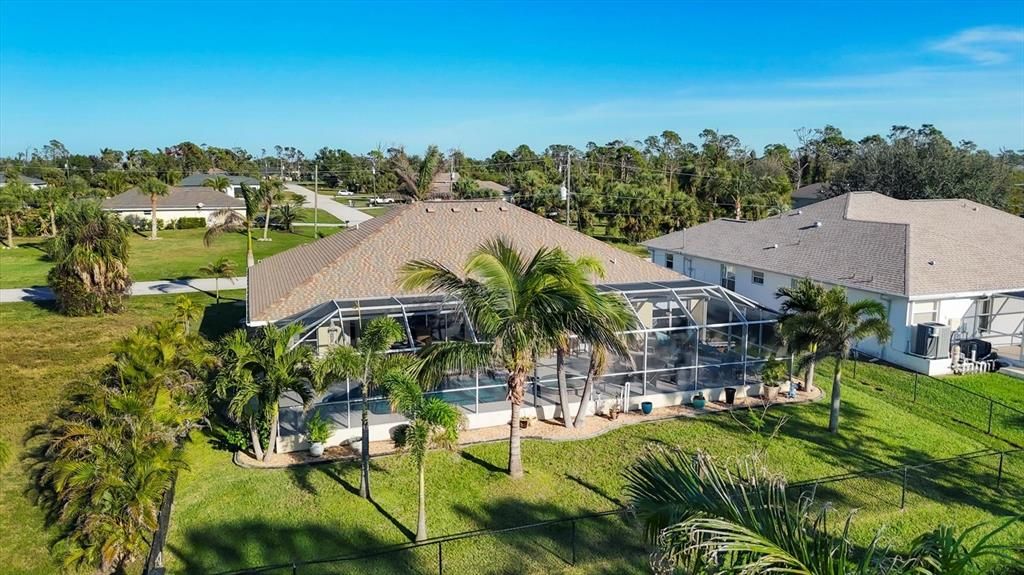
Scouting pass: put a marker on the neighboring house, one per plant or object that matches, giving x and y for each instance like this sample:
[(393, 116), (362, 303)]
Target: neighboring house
[(694, 336), (34, 183), (441, 186), (198, 179), (181, 202), (807, 195), (955, 263)]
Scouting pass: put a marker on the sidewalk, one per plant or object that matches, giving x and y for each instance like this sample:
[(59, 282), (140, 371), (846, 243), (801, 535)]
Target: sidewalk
[(344, 213), (159, 287)]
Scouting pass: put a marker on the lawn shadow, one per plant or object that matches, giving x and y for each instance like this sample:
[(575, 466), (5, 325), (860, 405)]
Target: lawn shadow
[(595, 489), (220, 318), (299, 474), (490, 467), (331, 472)]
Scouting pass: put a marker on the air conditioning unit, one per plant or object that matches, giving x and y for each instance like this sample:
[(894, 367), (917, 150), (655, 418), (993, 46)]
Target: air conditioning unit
[(931, 340)]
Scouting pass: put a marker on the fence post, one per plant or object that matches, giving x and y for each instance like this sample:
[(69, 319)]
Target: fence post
[(903, 496), (915, 388), (999, 476), (295, 569), (440, 559), (574, 543), (990, 404)]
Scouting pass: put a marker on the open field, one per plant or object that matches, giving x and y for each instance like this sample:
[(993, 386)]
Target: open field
[(226, 517), (177, 254)]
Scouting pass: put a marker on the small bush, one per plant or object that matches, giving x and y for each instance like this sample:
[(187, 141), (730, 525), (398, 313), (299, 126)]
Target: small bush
[(237, 439), (189, 223), (317, 429), (773, 373)]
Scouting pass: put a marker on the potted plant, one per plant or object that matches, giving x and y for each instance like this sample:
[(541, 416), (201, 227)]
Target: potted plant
[(773, 373), (614, 411), (699, 400), (524, 422), (318, 433), (646, 407)]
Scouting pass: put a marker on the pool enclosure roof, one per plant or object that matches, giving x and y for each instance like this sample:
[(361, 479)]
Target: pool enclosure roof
[(741, 310)]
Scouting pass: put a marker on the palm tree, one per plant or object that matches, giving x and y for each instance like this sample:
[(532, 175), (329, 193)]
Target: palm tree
[(287, 215), (835, 327), (416, 182), (270, 193), (186, 311), (368, 362), (90, 255), (705, 520), (115, 182), (257, 371), (805, 297), (231, 221), (613, 317), (153, 188), (433, 422), (222, 268), (509, 300), (219, 183), (12, 202)]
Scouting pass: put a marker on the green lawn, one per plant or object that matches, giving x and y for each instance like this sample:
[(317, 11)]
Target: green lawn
[(306, 215), (226, 517), (1004, 388), (177, 254)]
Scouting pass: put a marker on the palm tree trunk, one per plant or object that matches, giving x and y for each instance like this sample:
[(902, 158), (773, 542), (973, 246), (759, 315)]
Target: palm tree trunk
[(254, 435), (563, 388), (216, 287), (833, 416), (588, 387), (250, 260), (421, 523), (809, 378), (10, 231), (53, 221), (266, 222), (515, 462), (364, 455), (272, 443), (152, 217)]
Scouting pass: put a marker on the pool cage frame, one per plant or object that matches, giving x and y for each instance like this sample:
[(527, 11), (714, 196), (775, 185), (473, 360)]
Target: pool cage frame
[(682, 346)]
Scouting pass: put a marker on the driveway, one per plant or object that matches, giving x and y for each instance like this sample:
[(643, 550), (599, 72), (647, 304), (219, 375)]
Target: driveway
[(160, 287), (344, 213)]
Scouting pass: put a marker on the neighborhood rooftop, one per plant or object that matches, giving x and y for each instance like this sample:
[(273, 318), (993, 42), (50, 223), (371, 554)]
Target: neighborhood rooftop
[(364, 262), (177, 198), (200, 178), (870, 241)]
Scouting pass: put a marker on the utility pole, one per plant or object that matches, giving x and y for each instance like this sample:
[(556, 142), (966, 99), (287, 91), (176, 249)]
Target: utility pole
[(316, 200)]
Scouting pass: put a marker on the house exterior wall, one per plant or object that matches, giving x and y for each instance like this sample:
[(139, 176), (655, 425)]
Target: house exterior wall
[(173, 215)]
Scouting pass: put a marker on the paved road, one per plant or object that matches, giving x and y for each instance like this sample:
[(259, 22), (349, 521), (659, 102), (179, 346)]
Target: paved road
[(325, 203), (161, 287)]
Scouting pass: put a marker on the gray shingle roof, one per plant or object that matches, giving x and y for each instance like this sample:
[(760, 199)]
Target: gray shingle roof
[(873, 242), (364, 262), (198, 178), (177, 198), (809, 192)]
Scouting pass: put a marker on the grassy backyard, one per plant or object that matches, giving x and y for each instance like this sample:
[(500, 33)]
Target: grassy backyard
[(1004, 388), (178, 254)]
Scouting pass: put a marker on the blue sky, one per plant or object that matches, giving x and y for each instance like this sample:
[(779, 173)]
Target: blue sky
[(481, 76)]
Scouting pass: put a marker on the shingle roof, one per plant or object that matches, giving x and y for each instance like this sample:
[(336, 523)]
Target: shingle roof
[(809, 192), (177, 198), (24, 179), (198, 178), (873, 242), (364, 262)]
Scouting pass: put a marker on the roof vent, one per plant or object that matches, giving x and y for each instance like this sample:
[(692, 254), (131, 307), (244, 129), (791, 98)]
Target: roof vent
[(431, 210), (614, 261), (931, 262), (817, 224), (799, 212), (502, 209), (773, 247), (456, 210), (975, 208), (478, 209)]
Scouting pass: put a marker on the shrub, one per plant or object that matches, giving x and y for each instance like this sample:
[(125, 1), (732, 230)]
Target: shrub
[(773, 372), (189, 223), (237, 439), (317, 429)]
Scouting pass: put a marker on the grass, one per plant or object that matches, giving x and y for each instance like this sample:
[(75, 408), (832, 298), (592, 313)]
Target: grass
[(1004, 388), (177, 254), (42, 353), (374, 211), (306, 215), (226, 517)]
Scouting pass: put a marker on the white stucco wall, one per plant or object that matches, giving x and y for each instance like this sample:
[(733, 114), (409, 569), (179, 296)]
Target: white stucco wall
[(169, 215)]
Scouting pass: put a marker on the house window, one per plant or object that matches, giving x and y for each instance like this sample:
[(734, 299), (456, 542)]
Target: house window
[(669, 263), (757, 278), (924, 311), (728, 277), (985, 314)]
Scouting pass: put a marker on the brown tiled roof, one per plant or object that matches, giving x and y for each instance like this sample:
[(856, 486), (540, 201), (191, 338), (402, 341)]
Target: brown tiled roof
[(177, 198), (873, 242), (365, 261)]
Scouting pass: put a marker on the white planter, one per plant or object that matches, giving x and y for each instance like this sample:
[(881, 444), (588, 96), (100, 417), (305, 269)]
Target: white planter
[(316, 449)]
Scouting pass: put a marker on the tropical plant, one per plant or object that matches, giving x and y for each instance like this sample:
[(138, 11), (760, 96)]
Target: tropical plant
[(317, 428), (90, 255), (271, 192), (52, 197), (509, 300), (222, 268), (773, 372), (804, 297), (835, 328), (186, 311), (256, 371), (713, 522), (12, 202), (415, 182), (230, 221), (433, 422), (219, 183), (287, 215), (153, 188), (367, 362), (115, 182)]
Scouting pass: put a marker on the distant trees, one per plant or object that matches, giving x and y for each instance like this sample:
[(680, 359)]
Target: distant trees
[(12, 202), (415, 175)]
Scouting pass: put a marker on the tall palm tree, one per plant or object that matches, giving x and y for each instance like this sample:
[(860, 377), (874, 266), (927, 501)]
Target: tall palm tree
[(12, 202), (231, 221), (709, 521), (803, 298), (186, 311), (415, 182), (90, 255), (257, 370), (835, 327), (368, 362), (222, 268), (509, 299), (271, 192), (613, 316), (433, 422), (153, 188), (219, 183)]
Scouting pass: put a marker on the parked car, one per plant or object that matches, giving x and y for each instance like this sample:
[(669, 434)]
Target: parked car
[(345, 193), (380, 201)]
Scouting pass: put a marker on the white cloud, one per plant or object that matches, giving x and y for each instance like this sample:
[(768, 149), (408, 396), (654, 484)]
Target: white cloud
[(984, 44)]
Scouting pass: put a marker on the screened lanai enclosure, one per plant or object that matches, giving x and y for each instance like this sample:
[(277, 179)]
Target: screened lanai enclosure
[(693, 336)]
